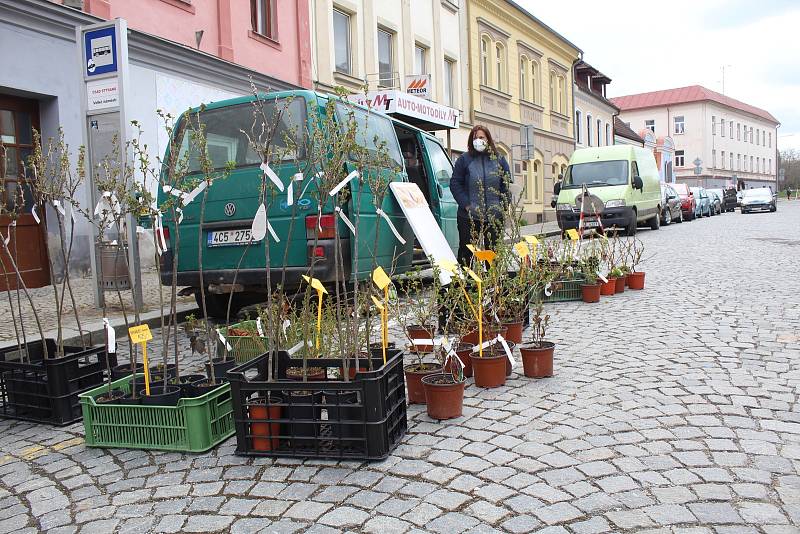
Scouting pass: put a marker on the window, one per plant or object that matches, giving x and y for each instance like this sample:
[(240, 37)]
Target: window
[(262, 16), (535, 82), (449, 69), (723, 160), (554, 168), (757, 136), (714, 125), (537, 168), (599, 132), (385, 58), (738, 131), (679, 124), (650, 124), (751, 135), (486, 76), (722, 127), (553, 90), (525, 179), (730, 129), (378, 134), (524, 66), (578, 130), (500, 62), (763, 143), (440, 163), (770, 165), (738, 162), (679, 158), (562, 107), (341, 41), (610, 172), (770, 139), (731, 161), (420, 65), (751, 163), (714, 159), (588, 130), (608, 134)]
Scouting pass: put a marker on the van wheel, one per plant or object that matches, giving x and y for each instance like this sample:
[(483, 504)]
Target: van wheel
[(667, 217), (217, 305), (631, 229), (655, 222)]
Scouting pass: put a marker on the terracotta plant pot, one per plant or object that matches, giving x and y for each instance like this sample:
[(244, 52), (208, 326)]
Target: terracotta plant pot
[(513, 331), (620, 285), (414, 374), (590, 293), (489, 332), (537, 362), (636, 280), (269, 431), (444, 396), (490, 370), (608, 288), (463, 350), (416, 331)]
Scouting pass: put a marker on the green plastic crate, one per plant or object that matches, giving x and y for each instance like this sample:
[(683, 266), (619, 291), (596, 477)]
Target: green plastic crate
[(194, 425), (569, 290), (243, 348)]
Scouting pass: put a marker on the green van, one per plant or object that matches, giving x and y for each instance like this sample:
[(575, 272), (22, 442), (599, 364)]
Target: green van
[(232, 203), (624, 178)]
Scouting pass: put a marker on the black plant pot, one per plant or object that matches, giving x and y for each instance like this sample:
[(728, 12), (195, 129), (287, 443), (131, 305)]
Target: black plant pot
[(129, 400), (342, 407), (186, 383), (303, 410), (221, 367), (123, 370), (161, 398), (157, 372), (112, 397), (201, 387)]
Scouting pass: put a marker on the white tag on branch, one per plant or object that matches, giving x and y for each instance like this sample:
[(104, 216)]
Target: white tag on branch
[(196, 191), (224, 341), (272, 232), (161, 243), (602, 278), (506, 348), (344, 182), (391, 225), (7, 238), (272, 176), (455, 357), (111, 337), (259, 327), (35, 215), (418, 342), (57, 205), (346, 220), (548, 289), (174, 191), (286, 324), (298, 177), (139, 229), (72, 214), (258, 230), (180, 215), (484, 345), (297, 347)]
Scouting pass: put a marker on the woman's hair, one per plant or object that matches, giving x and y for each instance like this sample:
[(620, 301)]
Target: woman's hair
[(489, 140)]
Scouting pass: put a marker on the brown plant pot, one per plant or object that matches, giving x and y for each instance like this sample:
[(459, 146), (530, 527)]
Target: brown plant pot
[(636, 280), (489, 332), (463, 350), (414, 374), (444, 396), (608, 288), (620, 288), (416, 331), (537, 362), (513, 331), (270, 431), (590, 293), (490, 370)]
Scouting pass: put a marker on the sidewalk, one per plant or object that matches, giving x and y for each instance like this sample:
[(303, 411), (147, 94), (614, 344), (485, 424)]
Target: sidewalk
[(548, 229), (91, 318)]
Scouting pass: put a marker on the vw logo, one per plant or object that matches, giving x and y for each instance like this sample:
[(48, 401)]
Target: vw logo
[(230, 209)]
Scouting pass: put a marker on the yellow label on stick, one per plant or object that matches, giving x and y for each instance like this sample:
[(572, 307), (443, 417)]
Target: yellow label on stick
[(140, 333), (471, 248), (522, 249), (472, 275), (485, 255), (573, 234), (531, 239), (316, 284), (377, 303), (380, 278)]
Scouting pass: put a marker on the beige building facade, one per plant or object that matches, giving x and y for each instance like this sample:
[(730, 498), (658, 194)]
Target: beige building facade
[(734, 142)]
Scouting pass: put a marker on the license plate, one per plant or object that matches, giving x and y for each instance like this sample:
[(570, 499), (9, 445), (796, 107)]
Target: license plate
[(219, 238), (591, 224)]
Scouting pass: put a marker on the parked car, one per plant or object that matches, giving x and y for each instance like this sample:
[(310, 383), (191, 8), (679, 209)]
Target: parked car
[(688, 202), (739, 195), (703, 207), (715, 199), (759, 199), (670, 205), (729, 201)]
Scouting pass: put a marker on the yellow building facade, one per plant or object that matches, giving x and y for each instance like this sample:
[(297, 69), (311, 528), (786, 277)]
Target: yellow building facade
[(521, 74)]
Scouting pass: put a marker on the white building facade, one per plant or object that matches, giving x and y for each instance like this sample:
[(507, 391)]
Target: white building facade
[(594, 113), (734, 142)]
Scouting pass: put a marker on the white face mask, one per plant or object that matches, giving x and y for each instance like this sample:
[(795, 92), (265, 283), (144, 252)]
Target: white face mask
[(479, 144)]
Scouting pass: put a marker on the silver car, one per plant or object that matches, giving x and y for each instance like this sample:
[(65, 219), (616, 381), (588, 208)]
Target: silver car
[(715, 197), (703, 208)]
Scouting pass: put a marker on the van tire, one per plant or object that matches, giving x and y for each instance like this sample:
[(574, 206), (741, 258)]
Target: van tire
[(631, 229), (655, 222), (217, 304)]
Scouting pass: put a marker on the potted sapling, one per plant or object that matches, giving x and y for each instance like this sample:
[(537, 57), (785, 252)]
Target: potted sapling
[(537, 355)]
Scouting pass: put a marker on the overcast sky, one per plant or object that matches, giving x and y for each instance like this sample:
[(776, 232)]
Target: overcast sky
[(645, 46)]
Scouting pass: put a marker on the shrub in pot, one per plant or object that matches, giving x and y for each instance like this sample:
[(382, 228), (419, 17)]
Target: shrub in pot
[(537, 355)]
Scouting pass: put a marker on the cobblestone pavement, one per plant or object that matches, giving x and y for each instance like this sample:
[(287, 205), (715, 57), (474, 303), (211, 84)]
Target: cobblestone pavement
[(673, 409), (43, 299)]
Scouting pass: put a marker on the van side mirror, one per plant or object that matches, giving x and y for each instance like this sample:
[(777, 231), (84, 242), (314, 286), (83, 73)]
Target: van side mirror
[(637, 182), (556, 188)]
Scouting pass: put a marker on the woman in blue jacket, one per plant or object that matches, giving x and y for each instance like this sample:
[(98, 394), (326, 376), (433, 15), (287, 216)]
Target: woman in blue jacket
[(479, 184)]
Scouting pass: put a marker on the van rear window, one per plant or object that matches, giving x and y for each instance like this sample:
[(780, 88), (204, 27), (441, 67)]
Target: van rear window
[(597, 173), (225, 130), (373, 130)]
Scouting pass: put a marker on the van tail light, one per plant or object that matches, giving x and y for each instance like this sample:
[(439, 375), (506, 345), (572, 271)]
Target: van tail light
[(320, 227)]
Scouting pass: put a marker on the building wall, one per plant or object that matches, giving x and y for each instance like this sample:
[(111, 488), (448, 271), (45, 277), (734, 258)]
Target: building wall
[(504, 110), (706, 142), (227, 31), (586, 105)]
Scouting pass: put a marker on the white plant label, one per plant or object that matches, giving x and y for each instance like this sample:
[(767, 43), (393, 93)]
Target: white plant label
[(417, 342), (272, 176), (180, 215), (298, 177), (343, 183), (346, 220), (506, 348), (296, 348), (57, 205), (35, 215), (272, 232), (484, 345), (224, 341), (602, 278), (260, 327), (548, 290), (161, 242), (391, 225), (185, 201), (258, 230), (286, 324), (111, 336)]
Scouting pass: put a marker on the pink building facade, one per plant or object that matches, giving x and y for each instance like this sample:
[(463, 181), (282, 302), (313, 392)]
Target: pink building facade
[(268, 36)]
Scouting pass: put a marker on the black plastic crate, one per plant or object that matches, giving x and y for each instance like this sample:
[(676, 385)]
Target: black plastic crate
[(364, 418), (46, 390)]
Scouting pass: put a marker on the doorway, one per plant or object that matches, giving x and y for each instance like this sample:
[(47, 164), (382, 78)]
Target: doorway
[(28, 245)]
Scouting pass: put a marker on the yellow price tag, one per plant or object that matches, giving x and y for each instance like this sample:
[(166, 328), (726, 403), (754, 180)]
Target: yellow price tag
[(472, 275), (531, 239), (471, 248), (380, 278), (448, 265), (140, 333), (573, 234), (377, 303), (485, 255), (522, 249), (316, 284)]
